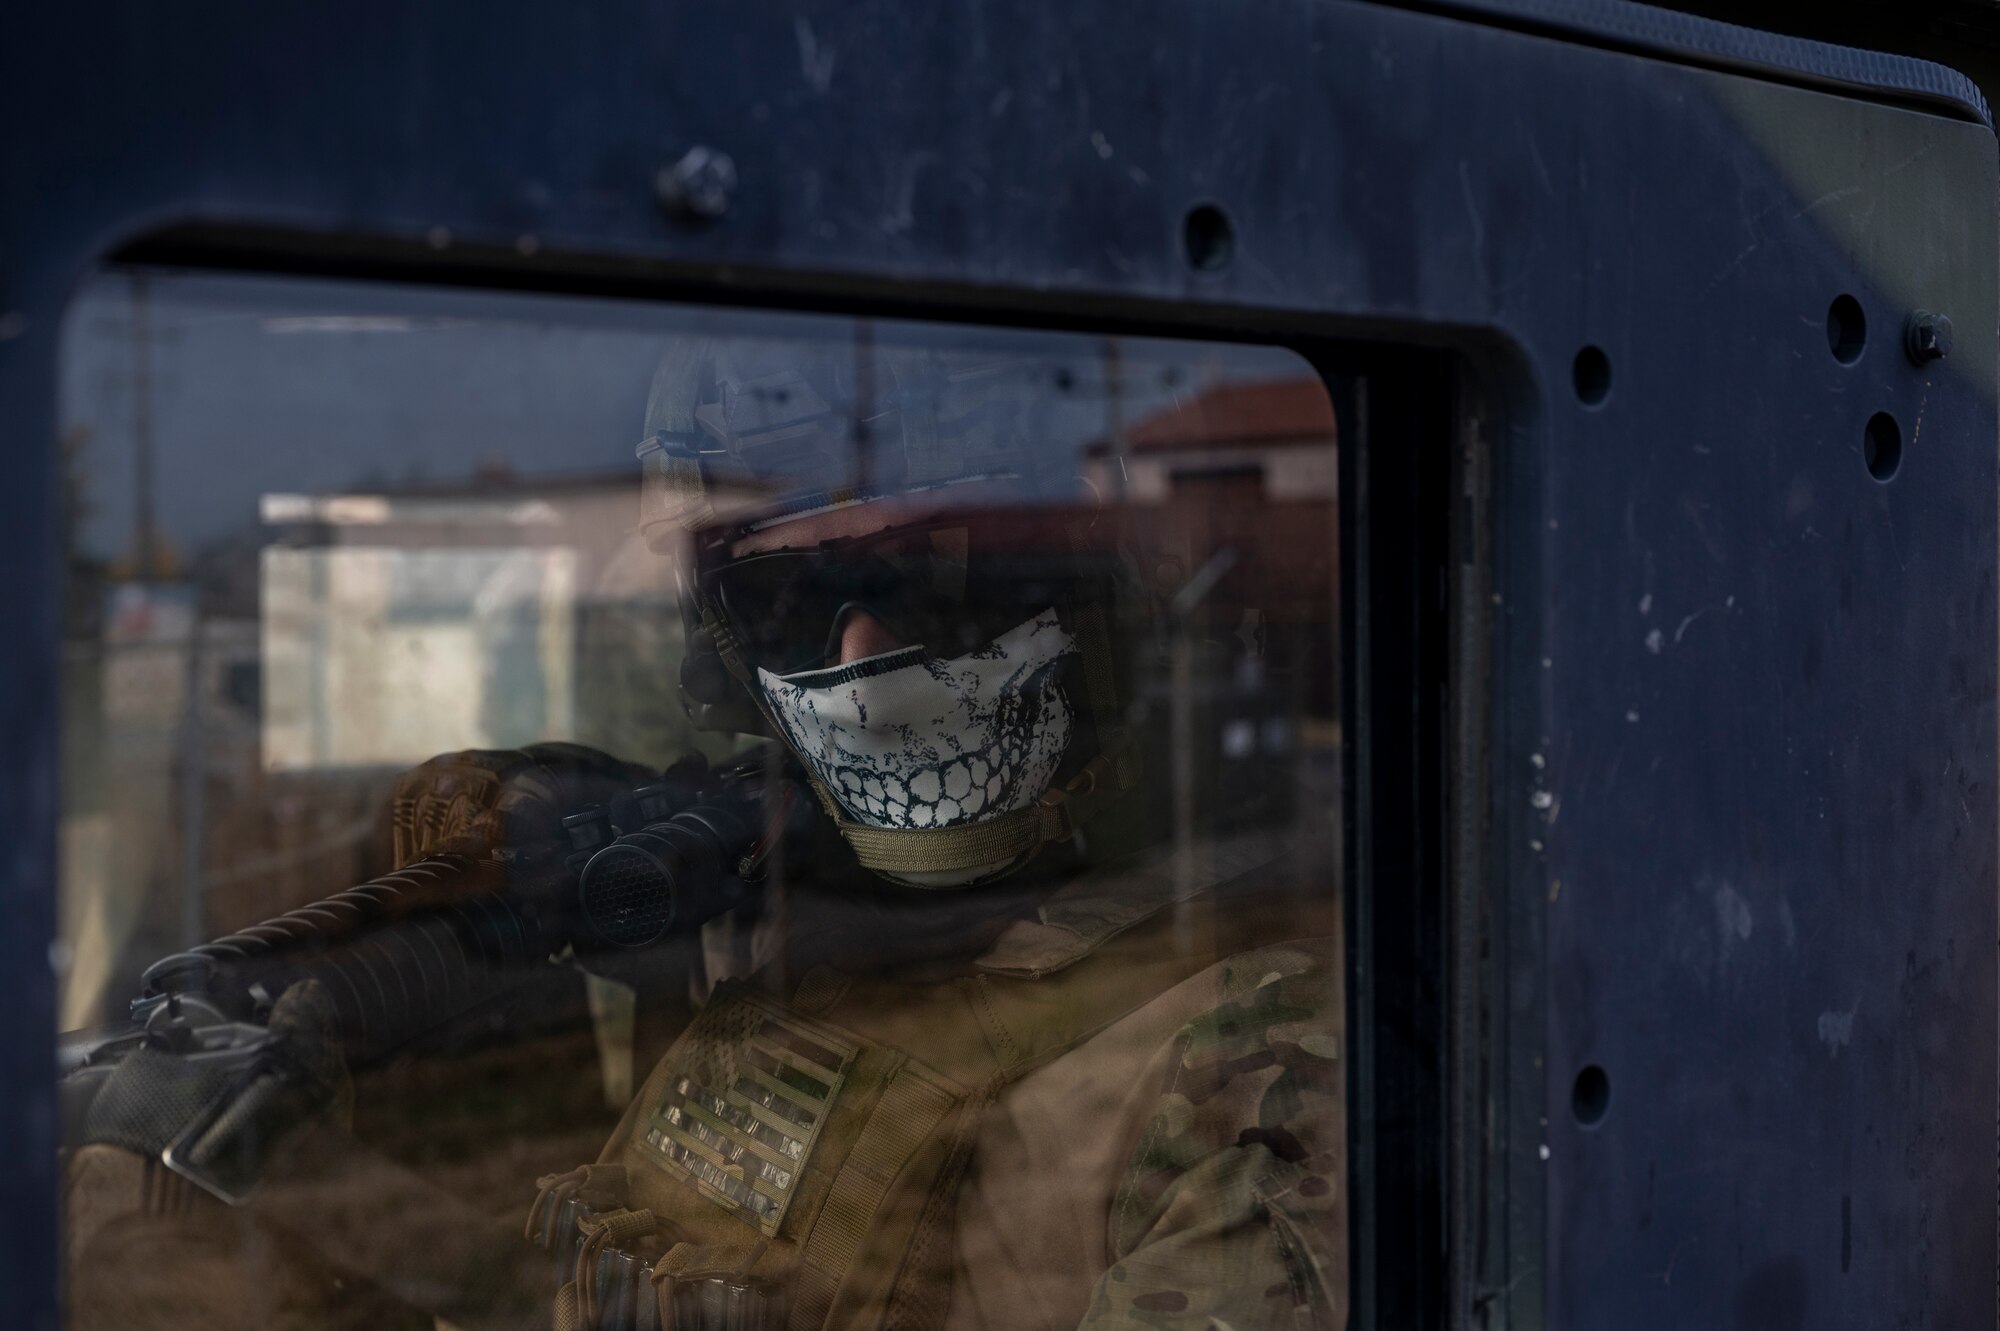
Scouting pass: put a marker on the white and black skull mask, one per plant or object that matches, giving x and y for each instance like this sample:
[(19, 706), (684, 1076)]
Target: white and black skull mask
[(904, 740)]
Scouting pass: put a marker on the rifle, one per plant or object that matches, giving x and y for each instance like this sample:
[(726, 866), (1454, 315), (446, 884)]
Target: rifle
[(217, 1061)]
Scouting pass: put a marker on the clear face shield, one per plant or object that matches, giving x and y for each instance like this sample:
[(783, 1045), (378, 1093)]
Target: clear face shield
[(909, 577)]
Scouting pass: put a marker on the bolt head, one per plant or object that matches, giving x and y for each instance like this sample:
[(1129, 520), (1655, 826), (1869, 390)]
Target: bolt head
[(700, 186), (1927, 337)]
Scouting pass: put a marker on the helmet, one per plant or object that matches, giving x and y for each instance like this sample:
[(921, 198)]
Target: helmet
[(894, 561)]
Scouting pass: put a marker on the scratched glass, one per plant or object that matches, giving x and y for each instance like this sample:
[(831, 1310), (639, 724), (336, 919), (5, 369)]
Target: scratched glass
[(597, 814)]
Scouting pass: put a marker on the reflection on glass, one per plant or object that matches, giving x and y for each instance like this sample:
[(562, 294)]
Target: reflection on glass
[(626, 817)]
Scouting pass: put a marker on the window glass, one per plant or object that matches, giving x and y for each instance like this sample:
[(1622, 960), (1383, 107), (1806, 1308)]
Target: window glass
[(588, 813)]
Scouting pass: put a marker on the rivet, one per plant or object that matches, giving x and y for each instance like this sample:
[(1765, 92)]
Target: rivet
[(1927, 337), (700, 186)]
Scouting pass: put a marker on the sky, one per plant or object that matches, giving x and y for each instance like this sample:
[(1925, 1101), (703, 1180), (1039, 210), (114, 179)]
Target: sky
[(260, 385)]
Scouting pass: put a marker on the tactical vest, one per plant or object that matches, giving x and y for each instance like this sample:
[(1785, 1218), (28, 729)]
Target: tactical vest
[(797, 1165)]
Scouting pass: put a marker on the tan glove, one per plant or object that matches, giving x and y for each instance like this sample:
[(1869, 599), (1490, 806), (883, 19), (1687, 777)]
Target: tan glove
[(480, 798)]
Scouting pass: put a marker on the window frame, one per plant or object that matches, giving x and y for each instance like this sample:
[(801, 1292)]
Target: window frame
[(385, 147)]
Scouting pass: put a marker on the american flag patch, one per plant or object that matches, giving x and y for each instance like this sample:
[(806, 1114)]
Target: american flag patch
[(742, 1112)]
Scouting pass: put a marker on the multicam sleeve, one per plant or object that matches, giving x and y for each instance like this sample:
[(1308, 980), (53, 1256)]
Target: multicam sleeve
[(1232, 1212)]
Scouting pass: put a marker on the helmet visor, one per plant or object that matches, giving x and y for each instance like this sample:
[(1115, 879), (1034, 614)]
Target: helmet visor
[(948, 588)]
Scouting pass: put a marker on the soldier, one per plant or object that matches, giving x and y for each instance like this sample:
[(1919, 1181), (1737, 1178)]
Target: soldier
[(1025, 1040), (1054, 1073)]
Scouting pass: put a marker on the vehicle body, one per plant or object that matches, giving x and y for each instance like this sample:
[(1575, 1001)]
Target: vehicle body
[(1665, 576)]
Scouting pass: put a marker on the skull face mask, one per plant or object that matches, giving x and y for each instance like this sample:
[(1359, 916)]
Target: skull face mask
[(903, 740)]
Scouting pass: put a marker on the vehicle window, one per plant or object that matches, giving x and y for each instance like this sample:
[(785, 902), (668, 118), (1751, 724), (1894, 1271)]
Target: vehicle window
[(603, 814)]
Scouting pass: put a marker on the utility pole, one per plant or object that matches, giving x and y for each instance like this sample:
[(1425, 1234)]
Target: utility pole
[(145, 535)]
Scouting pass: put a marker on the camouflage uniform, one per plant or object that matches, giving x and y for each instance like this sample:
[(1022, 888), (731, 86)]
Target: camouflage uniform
[(1211, 1120), (1228, 1207), (1136, 1122)]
